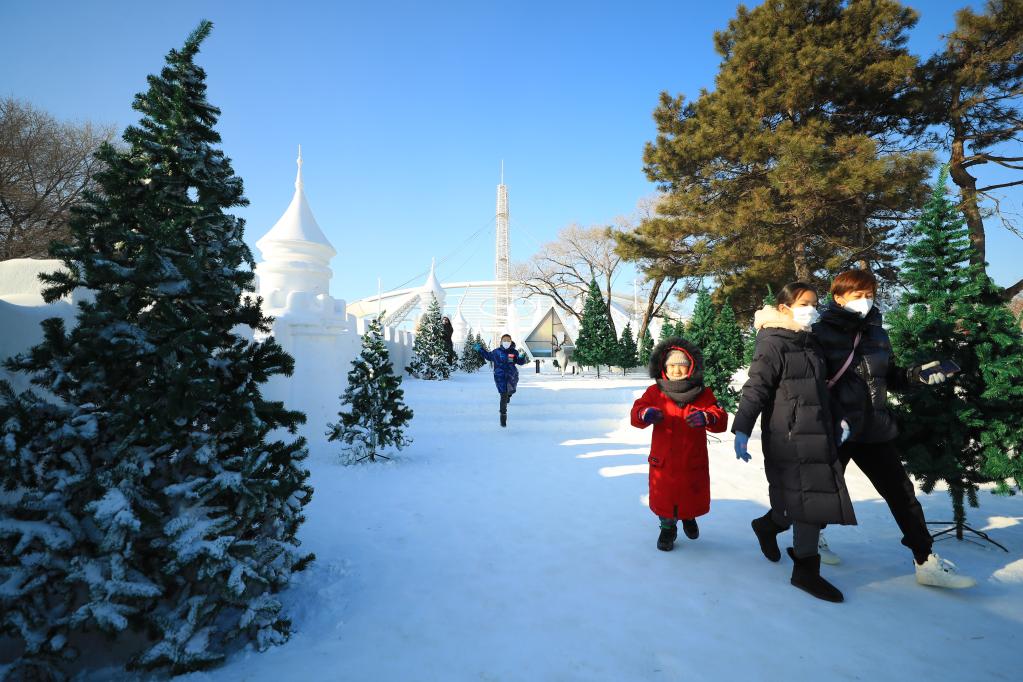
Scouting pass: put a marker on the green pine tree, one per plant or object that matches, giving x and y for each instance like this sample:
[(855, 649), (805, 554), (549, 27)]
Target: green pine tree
[(152, 496), (377, 416), (726, 356), (646, 347), (429, 356), (700, 329), (969, 430), (750, 334), (667, 329), (470, 361), (596, 344), (628, 353)]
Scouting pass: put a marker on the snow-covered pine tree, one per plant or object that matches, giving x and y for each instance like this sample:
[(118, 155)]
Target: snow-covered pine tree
[(150, 498), (429, 356), (377, 415), (628, 354), (469, 361), (646, 347), (596, 344), (969, 430)]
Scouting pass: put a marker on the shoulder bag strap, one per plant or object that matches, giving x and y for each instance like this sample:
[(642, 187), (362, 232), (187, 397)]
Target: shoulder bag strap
[(848, 361)]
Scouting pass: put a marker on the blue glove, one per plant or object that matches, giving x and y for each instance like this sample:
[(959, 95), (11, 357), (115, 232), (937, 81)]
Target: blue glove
[(651, 415), (478, 347), (741, 443), (846, 432)]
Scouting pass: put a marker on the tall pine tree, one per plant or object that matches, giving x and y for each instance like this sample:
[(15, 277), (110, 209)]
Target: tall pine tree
[(377, 416), (151, 496), (596, 344), (969, 430), (429, 356)]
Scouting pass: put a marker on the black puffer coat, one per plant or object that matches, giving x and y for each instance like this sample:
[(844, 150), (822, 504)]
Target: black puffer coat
[(787, 389), (861, 393)]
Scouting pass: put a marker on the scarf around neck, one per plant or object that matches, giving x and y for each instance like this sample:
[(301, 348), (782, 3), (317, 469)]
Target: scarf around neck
[(683, 391)]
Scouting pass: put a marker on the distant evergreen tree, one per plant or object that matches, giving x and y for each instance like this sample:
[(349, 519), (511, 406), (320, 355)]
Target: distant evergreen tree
[(377, 416), (667, 329), (470, 361), (429, 355), (700, 329), (628, 353), (151, 496), (750, 334), (969, 430), (646, 347), (726, 356), (596, 344)]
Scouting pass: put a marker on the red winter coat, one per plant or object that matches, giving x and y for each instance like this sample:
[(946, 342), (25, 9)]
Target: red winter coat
[(679, 470)]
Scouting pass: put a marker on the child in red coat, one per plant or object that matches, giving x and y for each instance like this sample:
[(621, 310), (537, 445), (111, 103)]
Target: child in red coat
[(682, 411)]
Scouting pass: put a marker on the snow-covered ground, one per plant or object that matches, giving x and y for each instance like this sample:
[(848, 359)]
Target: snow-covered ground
[(528, 553)]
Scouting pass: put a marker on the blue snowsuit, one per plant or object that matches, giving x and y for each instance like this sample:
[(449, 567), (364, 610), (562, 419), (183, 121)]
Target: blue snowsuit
[(506, 371)]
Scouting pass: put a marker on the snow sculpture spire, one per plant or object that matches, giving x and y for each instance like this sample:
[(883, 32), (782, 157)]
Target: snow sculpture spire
[(502, 290), (296, 253), (432, 287)]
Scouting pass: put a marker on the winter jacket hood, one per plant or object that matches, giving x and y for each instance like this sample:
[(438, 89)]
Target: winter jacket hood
[(769, 317), (659, 355)]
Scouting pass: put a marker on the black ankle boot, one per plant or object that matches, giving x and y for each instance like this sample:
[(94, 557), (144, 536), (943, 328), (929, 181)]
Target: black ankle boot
[(767, 533), (806, 575), (504, 419), (690, 528), (666, 540)]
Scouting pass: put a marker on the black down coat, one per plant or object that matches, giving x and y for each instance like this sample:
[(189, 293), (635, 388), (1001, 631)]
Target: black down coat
[(787, 389), (861, 394)]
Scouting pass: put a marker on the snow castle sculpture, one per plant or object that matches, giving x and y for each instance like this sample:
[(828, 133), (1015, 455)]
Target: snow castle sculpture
[(311, 325)]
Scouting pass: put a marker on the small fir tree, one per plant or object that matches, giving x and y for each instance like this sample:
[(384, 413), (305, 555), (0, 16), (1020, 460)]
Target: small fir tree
[(646, 347), (377, 416), (969, 430), (429, 356), (700, 329), (151, 496), (727, 350), (628, 353), (667, 330), (596, 344), (470, 360)]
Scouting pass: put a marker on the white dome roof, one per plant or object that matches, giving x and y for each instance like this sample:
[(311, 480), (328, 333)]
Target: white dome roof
[(298, 223)]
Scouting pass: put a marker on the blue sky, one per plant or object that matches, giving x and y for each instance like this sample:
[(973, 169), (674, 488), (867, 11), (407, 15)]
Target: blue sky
[(406, 109)]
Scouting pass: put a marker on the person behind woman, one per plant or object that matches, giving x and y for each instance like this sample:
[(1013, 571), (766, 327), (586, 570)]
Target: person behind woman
[(787, 389), (861, 367)]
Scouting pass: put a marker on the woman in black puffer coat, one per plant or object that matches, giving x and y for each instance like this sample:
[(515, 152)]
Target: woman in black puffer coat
[(787, 390), (862, 368)]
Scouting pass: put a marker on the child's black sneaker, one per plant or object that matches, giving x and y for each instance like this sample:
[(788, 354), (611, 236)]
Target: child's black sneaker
[(690, 528), (504, 419), (666, 540)]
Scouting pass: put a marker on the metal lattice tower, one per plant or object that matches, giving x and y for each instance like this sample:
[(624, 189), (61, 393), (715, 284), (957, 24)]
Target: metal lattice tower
[(502, 295)]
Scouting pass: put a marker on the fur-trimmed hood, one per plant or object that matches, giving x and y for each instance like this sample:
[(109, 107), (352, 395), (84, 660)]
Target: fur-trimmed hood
[(770, 317), (660, 354)]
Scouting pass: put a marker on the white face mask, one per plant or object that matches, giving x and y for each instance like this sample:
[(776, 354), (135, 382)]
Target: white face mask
[(805, 316), (506, 344), (860, 306)]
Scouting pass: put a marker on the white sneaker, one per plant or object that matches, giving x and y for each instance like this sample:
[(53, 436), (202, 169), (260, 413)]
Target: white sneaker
[(938, 572), (827, 556)]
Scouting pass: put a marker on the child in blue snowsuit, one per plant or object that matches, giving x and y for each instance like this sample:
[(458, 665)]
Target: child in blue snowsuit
[(506, 359)]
